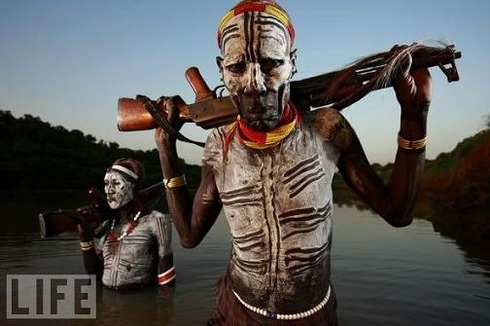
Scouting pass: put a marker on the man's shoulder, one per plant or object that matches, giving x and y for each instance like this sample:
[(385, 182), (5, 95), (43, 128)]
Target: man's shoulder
[(332, 126), (218, 134), (215, 141), (155, 215)]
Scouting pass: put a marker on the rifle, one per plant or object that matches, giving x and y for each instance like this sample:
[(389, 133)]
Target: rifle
[(60, 221), (336, 89)]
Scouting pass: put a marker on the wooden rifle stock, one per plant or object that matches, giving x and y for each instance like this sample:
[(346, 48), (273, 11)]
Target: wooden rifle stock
[(208, 111), (67, 220), (337, 89)]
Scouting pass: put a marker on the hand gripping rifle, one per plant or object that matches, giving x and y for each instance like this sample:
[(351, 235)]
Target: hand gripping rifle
[(66, 220), (337, 89)]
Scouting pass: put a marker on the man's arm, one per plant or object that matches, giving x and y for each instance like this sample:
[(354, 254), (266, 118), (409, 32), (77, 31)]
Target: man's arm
[(91, 261), (193, 218), (162, 230), (395, 200)]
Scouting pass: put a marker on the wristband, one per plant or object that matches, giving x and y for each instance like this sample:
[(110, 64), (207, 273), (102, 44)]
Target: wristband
[(86, 245)]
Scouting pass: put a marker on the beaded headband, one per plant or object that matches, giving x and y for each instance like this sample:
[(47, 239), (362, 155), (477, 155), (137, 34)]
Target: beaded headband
[(247, 6), (127, 171)]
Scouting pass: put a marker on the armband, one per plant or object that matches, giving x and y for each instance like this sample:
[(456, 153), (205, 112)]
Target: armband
[(175, 182), (411, 144)]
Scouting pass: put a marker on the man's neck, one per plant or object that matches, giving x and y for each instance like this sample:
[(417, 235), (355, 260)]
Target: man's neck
[(128, 212)]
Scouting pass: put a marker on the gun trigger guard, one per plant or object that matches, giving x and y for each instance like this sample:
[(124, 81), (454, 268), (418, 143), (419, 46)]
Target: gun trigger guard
[(221, 89), (450, 72)]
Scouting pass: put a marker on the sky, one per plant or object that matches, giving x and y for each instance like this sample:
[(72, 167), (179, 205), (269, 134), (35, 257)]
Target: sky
[(68, 62)]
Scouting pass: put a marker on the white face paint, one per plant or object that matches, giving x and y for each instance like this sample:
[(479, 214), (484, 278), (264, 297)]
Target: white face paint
[(257, 66), (119, 191)]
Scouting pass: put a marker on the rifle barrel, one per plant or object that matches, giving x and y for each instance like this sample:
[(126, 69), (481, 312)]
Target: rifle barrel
[(329, 88)]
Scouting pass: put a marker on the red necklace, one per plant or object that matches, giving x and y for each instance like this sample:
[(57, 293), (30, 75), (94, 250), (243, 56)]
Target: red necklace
[(263, 139)]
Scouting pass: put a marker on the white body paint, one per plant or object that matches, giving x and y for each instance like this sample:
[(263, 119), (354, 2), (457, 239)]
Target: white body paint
[(132, 260), (263, 40), (119, 190), (278, 203), (257, 66)]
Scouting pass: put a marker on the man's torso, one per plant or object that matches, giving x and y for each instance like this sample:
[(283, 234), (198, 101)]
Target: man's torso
[(133, 260), (278, 203)]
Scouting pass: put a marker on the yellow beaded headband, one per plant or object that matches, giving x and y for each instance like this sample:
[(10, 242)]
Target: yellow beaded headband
[(247, 6)]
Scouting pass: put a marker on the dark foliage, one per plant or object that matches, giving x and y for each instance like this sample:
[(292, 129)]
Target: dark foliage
[(457, 184), (36, 155)]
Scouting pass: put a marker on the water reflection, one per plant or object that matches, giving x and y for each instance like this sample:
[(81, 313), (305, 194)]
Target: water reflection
[(409, 271), (382, 275), (149, 307), (475, 245)]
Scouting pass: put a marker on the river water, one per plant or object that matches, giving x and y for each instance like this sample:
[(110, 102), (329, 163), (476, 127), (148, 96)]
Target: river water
[(382, 275)]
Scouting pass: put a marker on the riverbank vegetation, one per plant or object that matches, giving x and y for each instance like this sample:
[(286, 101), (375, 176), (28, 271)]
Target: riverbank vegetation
[(35, 155), (457, 184), (455, 190)]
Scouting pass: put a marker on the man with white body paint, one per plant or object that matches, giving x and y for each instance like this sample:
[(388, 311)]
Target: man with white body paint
[(136, 249), (271, 172)]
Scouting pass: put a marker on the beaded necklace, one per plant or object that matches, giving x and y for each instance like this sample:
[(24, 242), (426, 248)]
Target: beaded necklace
[(129, 229), (263, 139)]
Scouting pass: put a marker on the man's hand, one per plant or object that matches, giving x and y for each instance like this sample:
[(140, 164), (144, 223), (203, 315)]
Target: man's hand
[(85, 230), (413, 90), (171, 106)]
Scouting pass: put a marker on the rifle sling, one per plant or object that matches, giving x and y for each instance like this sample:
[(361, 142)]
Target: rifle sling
[(163, 123)]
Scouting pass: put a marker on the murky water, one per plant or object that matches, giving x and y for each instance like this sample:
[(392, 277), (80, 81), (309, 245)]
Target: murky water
[(382, 275)]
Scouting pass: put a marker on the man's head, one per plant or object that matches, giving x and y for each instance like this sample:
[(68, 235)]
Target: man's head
[(256, 39), (121, 182)]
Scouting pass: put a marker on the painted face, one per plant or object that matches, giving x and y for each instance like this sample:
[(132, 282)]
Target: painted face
[(119, 191), (257, 66)]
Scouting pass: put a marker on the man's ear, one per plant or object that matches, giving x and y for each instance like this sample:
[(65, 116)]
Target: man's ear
[(136, 190), (219, 62), (292, 57)]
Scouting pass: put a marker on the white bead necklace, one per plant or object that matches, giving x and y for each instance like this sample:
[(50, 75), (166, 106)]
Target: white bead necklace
[(130, 227), (273, 315)]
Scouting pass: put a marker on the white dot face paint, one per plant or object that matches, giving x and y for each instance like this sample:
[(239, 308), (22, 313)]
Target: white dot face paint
[(119, 191)]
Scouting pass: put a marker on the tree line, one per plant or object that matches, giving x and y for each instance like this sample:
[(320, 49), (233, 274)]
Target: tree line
[(34, 155)]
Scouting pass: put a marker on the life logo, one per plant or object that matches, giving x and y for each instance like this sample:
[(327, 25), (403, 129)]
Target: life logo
[(53, 296)]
